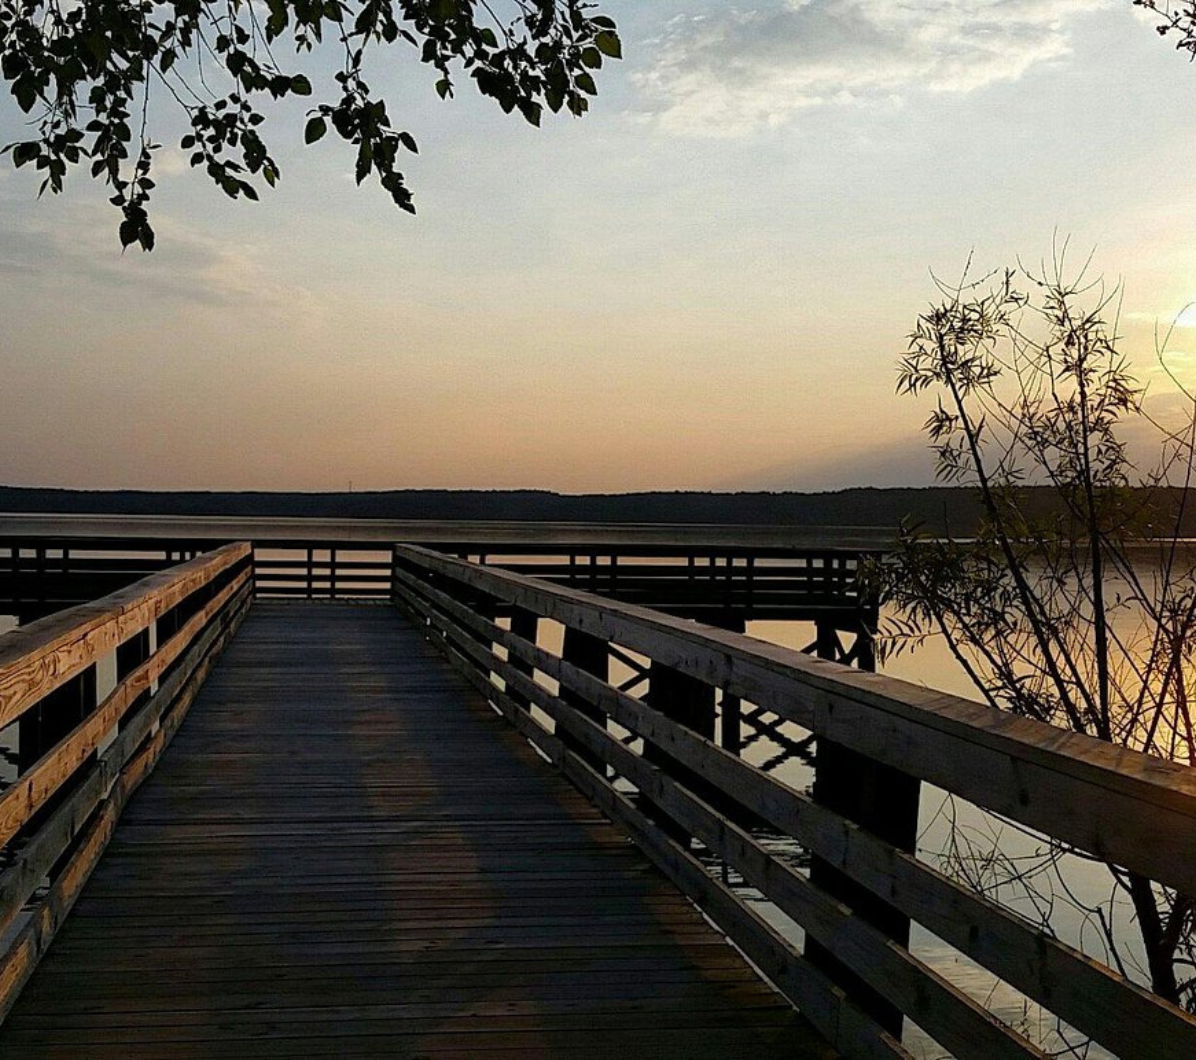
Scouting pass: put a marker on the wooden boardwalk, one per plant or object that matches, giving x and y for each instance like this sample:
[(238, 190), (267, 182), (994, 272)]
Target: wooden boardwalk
[(345, 852)]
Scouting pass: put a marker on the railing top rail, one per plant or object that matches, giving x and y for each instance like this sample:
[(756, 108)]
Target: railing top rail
[(37, 658), (1102, 799)]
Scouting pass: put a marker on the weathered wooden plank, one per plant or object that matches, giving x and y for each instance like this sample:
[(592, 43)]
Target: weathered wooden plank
[(46, 846), (376, 1040), (845, 1027), (823, 1003), (942, 1010), (40, 657), (30, 943), (432, 880), (1075, 788), (24, 798), (1081, 990)]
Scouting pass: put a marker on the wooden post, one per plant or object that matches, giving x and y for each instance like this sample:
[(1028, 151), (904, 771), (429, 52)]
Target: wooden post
[(689, 702), (591, 654), (731, 709), (524, 624), (129, 655), (882, 800)]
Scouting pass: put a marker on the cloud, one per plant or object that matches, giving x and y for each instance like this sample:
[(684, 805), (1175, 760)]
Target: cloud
[(74, 244), (736, 71)]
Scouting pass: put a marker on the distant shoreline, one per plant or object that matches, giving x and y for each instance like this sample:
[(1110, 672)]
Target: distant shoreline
[(936, 510)]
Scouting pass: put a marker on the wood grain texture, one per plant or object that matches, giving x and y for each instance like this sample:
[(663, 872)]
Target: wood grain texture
[(53, 837), (42, 656), (1125, 1017), (939, 1007), (347, 852), (21, 800), (107, 788), (1108, 801)]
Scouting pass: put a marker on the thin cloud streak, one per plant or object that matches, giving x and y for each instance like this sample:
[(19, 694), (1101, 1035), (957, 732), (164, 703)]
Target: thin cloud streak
[(736, 71)]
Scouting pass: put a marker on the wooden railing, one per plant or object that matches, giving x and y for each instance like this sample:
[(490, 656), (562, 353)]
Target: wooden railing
[(719, 584), (39, 576), (83, 748), (856, 970), (721, 575), (322, 571)]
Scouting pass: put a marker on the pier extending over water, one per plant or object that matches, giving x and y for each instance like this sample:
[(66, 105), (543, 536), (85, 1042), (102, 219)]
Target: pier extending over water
[(349, 842)]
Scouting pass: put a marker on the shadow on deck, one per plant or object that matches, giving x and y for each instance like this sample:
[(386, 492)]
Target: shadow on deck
[(346, 852)]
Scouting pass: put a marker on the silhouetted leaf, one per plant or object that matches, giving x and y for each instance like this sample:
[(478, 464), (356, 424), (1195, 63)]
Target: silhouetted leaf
[(316, 128)]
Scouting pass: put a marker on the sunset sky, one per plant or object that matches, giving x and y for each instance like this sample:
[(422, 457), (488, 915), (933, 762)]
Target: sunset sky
[(703, 284)]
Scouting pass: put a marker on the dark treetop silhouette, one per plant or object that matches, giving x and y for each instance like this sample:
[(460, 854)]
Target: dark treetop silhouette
[(86, 72)]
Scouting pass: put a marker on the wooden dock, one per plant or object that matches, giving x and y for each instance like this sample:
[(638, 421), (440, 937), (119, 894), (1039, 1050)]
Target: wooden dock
[(375, 834), (345, 851)]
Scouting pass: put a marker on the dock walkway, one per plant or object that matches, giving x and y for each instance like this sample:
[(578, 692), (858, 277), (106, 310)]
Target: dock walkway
[(346, 852)]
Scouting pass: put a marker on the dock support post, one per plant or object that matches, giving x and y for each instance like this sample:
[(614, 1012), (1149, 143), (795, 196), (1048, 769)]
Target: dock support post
[(591, 654), (882, 800)]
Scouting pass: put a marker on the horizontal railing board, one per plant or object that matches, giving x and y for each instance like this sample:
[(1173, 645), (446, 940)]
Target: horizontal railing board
[(320, 565), (380, 592), (1090, 794), (824, 1004), (45, 847), (465, 533), (1074, 986), (797, 567), (92, 810), (269, 582), (38, 658), (22, 799), (941, 1009), (76, 563)]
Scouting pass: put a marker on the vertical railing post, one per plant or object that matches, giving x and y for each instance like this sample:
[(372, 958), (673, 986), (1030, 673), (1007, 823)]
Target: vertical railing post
[(525, 625), (486, 607), (130, 655), (878, 798), (689, 702), (730, 705), (591, 654)]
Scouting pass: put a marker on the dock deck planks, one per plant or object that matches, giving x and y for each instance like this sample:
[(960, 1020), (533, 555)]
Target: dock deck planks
[(345, 852)]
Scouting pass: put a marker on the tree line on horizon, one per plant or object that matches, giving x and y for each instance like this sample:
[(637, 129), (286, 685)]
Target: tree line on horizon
[(936, 510)]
